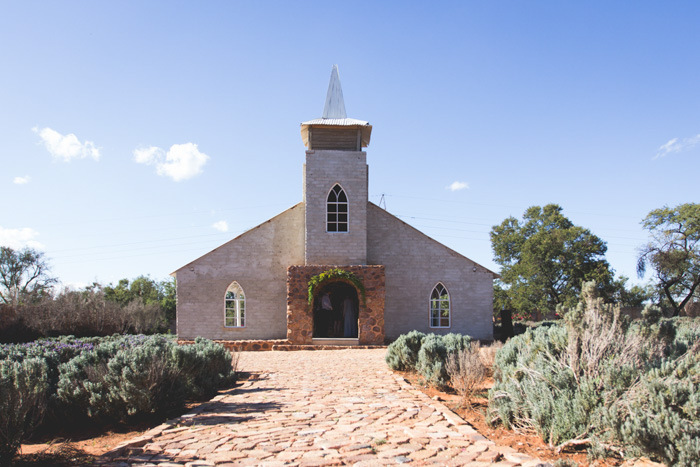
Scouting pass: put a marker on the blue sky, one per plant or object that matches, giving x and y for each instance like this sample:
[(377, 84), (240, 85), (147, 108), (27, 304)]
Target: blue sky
[(133, 133)]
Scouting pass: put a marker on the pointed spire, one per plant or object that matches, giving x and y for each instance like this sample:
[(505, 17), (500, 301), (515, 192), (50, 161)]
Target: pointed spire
[(335, 105)]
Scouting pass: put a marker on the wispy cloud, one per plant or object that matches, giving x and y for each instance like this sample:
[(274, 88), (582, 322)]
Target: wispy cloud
[(19, 238), (66, 147), (21, 180), (149, 155), (182, 161), (456, 186), (221, 226), (677, 145)]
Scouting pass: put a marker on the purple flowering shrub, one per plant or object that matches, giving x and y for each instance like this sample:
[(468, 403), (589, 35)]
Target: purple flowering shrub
[(118, 378)]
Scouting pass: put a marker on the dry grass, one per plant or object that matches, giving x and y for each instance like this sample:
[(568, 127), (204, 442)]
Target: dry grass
[(467, 371), (488, 354)]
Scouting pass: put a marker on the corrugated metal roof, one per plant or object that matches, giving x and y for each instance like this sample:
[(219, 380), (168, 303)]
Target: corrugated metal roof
[(334, 113), (336, 122), (364, 126)]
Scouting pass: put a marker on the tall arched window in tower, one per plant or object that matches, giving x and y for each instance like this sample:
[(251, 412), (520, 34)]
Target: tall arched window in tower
[(234, 313), (440, 307), (337, 210)]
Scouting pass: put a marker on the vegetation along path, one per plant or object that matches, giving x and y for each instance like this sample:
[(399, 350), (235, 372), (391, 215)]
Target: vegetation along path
[(335, 407)]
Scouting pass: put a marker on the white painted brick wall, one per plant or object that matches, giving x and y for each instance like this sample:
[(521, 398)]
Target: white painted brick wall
[(414, 264), (323, 169), (258, 261)]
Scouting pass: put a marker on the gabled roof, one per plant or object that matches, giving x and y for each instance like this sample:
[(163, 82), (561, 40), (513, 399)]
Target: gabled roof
[(247, 232), (371, 205)]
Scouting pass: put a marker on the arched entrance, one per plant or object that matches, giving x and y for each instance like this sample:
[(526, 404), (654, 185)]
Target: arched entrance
[(336, 311)]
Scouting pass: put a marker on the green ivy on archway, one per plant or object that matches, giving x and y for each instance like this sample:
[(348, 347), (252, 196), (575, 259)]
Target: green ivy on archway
[(335, 273)]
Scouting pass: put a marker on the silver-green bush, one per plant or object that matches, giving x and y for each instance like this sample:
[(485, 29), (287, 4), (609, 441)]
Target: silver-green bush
[(425, 354), (402, 354), (105, 379), (23, 388), (597, 380), (433, 355), (121, 379)]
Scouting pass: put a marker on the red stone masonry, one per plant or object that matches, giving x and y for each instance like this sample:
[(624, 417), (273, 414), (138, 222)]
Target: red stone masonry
[(300, 319), (277, 344)]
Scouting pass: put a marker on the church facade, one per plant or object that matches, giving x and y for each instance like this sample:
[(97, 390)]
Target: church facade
[(334, 268)]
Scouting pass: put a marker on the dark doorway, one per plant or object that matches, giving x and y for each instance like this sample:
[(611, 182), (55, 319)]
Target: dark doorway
[(336, 311)]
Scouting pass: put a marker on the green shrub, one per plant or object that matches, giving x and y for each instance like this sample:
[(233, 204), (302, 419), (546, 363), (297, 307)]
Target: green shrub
[(433, 355), (23, 387), (626, 388), (145, 380), (456, 342), (133, 376), (206, 365), (660, 417), (431, 360), (104, 379), (402, 354), (117, 379), (425, 354)]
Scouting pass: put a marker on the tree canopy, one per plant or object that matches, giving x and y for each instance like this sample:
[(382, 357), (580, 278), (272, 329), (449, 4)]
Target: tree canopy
[(24, 275), (545, 259), (673, 252), (145, 290)]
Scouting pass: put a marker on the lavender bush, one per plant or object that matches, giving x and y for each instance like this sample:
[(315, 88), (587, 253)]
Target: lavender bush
[(605, 383), (102, 379)]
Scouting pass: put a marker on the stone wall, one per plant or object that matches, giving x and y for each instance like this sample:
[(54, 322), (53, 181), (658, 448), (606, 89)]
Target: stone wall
[(323, 169), (280, 345), (258, 261), (414, 264), (300, 320)]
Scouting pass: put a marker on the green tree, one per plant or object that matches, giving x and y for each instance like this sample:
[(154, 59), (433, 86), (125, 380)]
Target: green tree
[(168, 299), (635, 295), (673, 252), (545, 259), (145, 290), (24, 275)]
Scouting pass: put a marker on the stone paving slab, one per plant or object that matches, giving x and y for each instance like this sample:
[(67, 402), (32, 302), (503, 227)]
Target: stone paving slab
[(316, 408)]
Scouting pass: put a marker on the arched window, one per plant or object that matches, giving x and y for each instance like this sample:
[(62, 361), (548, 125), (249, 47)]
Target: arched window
[(337, 210), (440, 307), (234, 314)]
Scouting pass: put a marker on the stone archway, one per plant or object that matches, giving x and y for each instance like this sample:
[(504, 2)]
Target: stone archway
[(338, 322), (300, 313)]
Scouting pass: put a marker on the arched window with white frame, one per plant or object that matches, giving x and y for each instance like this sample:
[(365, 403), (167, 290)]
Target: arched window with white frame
[(234, 313), (439, 307), (337, 210)]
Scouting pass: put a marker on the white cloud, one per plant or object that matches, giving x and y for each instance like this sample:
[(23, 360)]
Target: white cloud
[(19, 238), (148, 155), (221, 226), (68, 147), (182, 161), (675, 145), (456, 186), (21, 180)]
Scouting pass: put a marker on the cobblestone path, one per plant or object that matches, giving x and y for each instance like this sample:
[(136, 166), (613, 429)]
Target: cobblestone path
[(312, 408)]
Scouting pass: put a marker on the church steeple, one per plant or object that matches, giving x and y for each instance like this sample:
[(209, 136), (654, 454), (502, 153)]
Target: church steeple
[(335, 184), (335, 104), (335, 130)]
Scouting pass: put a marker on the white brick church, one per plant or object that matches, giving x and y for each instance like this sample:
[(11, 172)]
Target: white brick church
[(383, 278)]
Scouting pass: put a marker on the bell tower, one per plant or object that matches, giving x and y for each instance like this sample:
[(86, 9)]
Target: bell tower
[(335, 183)]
